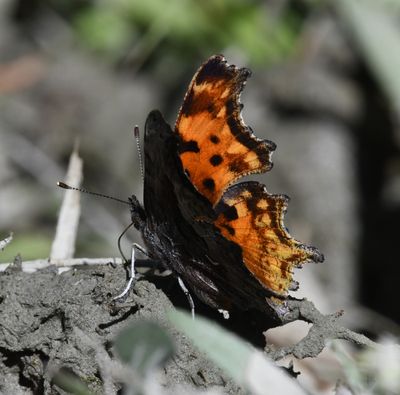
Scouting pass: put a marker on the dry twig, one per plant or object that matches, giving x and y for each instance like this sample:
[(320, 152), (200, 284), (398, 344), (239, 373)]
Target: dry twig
[(324, 328), (63, 246), (38, 264)]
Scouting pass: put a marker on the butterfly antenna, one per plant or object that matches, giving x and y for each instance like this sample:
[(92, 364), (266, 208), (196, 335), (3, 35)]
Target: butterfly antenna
[(139, 149), (119, 241), (66, 186)]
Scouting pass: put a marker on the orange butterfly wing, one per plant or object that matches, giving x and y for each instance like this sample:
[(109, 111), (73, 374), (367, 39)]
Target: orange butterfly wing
[(252, 218), (216, 147)]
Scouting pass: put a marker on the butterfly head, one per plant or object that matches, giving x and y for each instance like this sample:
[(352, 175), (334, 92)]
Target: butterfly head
[(138, 214)]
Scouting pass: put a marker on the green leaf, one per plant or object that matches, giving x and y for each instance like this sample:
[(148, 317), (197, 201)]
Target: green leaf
[(30, 246), (144, 345), (70, 383), (187, 27), (246, 365), (104, 29), (227, 350)]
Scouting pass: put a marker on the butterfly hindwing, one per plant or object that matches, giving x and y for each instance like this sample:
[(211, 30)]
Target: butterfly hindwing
[(251, 217)]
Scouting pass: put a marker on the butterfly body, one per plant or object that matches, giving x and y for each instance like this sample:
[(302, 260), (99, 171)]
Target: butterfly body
[(226, 242)]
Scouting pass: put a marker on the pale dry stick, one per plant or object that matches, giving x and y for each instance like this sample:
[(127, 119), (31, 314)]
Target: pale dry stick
[(324, 328), (62, 264), (63, 246)]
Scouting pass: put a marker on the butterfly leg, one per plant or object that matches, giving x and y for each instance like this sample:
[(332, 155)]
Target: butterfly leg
[(132, 274), (140, 248), (187, 293)]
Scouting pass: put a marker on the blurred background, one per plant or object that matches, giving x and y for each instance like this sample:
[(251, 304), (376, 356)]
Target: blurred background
[(325, 88)]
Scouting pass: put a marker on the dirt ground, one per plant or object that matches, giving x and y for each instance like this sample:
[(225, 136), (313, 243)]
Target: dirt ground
[(39, 314)]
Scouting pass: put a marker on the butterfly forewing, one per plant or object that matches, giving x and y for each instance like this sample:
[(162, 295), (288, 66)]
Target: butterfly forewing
[(216, 147)]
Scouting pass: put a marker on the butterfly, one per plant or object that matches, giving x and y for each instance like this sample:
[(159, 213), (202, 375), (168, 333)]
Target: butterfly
[(225, 241)]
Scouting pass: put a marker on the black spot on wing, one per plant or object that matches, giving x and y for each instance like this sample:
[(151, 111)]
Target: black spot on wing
[(231, 213), (214, 139), (209, 184), (189, 146), (238, 166), (229, 229), (216, 160)]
